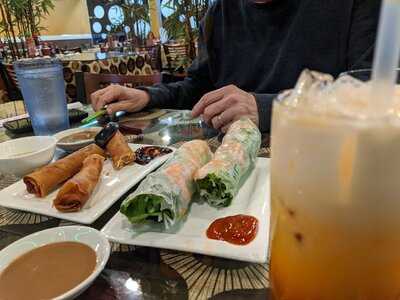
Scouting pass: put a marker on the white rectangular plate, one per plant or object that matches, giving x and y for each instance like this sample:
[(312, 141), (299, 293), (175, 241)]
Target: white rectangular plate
[(253, 199), (112, 185)]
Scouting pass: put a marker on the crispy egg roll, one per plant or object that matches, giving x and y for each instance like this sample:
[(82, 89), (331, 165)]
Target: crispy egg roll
[(41, 182), (120, 152), (74, 194)]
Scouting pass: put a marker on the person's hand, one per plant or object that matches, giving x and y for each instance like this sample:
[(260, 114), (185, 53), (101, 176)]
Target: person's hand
[(119, 98), (220, 108)]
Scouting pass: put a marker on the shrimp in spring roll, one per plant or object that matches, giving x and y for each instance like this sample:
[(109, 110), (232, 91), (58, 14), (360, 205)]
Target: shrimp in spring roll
[(120, 152), (46, 179), (74, 194), (165, 195)]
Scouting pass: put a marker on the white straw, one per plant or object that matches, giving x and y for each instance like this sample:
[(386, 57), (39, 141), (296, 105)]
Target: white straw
[(386, 59)]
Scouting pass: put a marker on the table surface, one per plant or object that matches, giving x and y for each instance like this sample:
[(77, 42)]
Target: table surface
[(149, 273)]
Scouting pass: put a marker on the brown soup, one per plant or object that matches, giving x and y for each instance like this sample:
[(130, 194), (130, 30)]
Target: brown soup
[(78, 137), (47, 272)]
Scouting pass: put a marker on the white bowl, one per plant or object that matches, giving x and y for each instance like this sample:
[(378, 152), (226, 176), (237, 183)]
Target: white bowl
[(86, 235), (71, 147), (22, 156)]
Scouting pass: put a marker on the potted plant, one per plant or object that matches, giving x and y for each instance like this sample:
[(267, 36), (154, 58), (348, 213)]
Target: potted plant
[(134, 12), (19, 20), (184, 23)]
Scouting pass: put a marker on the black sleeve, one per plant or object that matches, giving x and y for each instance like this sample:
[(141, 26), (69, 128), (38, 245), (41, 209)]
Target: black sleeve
[(185, 94), (363, 31), (264, 106)]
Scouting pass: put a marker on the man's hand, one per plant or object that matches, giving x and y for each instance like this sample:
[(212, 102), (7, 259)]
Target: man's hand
[(220, 108), (124, 98)]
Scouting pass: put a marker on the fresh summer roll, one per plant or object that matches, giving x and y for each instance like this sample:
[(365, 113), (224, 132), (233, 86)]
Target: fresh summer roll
[(164, 196), (220, 179)]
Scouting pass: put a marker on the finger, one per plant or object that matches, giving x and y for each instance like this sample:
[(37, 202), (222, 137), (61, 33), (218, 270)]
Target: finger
[(208, 99), (212, 97), (225, 117), (128, 106), (112, 94), (217, 108), (94, 98), (225, 128), (101, 91)]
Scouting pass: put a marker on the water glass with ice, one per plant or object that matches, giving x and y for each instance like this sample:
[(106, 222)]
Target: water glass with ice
[(42, 85)]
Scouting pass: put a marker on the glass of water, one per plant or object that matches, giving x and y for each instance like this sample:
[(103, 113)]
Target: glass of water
[(42, 86)]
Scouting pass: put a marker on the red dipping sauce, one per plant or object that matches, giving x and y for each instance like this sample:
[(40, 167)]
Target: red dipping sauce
[(238, 230)]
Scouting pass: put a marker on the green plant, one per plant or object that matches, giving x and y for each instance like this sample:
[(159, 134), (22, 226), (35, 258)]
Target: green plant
[(22, 18), (182, 64), (184, 23), (135, 12)]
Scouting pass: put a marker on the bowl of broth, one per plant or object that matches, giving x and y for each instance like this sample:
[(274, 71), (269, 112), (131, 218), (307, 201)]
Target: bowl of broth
[(58, 263), (74, 139)]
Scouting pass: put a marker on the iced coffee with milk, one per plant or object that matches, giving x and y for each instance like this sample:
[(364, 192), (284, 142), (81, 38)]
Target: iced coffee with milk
[(335, 227)]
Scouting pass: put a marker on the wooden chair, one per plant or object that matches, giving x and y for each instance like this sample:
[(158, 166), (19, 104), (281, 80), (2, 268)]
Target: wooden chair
[(10, 80), (12, 75), (177, 56), (155, 55), (94, 82)]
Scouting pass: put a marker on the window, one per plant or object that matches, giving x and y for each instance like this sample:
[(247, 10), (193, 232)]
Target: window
[(131, 17)]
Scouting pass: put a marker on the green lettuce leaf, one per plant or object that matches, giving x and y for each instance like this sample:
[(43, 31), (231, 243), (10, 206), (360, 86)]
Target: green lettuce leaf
[(145, 207), (214, 190)]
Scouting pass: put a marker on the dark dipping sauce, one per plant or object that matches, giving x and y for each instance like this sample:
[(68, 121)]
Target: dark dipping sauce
[(78, 137), (144, 155), (47, 272), (238, 230)]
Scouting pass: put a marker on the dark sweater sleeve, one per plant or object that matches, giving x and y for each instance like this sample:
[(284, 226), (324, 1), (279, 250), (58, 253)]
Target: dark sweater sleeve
[(264, 106), (362, 36), (185, 94)]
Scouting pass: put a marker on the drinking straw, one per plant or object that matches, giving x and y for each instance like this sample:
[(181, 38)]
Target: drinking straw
[(386, 58)]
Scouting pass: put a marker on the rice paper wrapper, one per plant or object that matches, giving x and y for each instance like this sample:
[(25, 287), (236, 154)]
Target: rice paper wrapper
[(220, 179), (164, 196)]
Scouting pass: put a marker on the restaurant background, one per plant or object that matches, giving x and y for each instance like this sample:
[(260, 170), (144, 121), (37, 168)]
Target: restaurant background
[(112, 38), (163, 33), (178, 201)]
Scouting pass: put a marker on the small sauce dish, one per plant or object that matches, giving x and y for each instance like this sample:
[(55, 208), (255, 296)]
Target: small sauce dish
[(79, 235), (74, 139)]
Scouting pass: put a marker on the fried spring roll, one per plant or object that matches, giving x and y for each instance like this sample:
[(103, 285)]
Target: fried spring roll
[(74, 194), (44, 180), (120, 152)]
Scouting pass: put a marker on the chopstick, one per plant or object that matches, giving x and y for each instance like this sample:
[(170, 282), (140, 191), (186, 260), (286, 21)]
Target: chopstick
[(94, 116)]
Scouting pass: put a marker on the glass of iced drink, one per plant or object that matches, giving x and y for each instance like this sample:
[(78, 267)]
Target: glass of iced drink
[(335, 225), (42, 85), (364, 74)]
